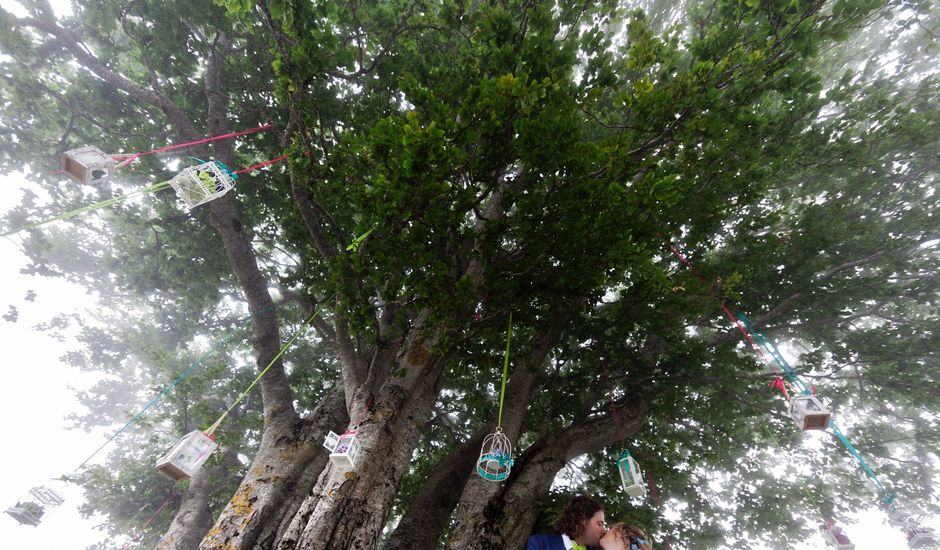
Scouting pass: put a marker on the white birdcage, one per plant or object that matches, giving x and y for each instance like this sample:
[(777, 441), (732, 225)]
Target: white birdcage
[(200, 184), (808, 412), (630, 475), (30, 509), (88, 164), (835, 536), (921, 538), (344, 449), (495, 460), (187, 456)]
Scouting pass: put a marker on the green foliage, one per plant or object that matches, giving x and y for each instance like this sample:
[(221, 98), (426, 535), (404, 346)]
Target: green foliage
[(602, 137)]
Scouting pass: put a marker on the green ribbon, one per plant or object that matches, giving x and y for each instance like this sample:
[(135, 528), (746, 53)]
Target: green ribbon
[(113, 200), (502, 391)]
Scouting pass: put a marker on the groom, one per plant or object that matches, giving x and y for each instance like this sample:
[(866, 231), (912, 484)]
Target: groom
[(581, 525)]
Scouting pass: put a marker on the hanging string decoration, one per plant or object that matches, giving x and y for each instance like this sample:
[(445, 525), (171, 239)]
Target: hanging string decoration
[(219, 343), (89, 164), (195, 184), (496, 460), (195, 448), (631, 477), (31, 508), (147, 523), (809, 413)]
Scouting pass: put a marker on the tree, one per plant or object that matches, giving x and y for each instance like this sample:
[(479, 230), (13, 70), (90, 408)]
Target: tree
[(452, 163)]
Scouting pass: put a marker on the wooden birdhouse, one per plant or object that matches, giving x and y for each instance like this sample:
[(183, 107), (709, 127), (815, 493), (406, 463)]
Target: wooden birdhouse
[(630, 475), (187, 456), (200, 184), (835, 536), (495, 461), (31, 509), (88, 164), (808, 412)]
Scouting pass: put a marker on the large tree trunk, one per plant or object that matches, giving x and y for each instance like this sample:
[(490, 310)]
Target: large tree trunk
[(288, 462), (194, 516), (478, 491), (507, 518), (426, 518), (347, 509)]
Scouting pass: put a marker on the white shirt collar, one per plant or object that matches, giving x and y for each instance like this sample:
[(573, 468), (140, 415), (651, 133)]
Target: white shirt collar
[(569, 544)]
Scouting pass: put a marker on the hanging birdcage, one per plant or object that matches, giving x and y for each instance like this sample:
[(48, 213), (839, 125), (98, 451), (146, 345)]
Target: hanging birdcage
[(630, 475), (495, 460), (200, 184), (187, 456), (344, 449), (808, 412), (835, 536), (30, 509), (88, 164), (921, 538)]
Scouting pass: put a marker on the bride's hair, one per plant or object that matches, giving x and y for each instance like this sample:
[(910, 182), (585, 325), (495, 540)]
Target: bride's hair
[(627, 533)]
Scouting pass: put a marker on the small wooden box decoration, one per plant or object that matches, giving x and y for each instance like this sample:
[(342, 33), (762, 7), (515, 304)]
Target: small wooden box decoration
[(88, 164), (809, 413), (187, 456)]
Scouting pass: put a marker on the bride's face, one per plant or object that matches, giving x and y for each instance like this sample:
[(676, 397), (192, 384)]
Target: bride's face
[(613, 540)]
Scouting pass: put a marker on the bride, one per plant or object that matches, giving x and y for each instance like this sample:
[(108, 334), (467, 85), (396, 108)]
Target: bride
[(625, 537)]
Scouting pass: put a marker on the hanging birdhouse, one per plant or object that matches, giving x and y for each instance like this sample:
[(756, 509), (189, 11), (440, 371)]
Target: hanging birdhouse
[(919, 537), (30, 509), (88, 164), (808, 412), (630, 475), (344, 449), (835, 536), (495, 460), (187, 456), (200, 184)]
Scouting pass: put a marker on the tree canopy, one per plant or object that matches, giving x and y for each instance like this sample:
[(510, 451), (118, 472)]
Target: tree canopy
[(618, 177)]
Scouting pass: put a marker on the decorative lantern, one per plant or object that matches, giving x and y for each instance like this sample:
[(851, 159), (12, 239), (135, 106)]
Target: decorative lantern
[(920, 537), (630, 475), (808, 412), (30, 509), (835, 536), (200, 184), (344, 449), (88, 164), (495, 460), (187, 456)]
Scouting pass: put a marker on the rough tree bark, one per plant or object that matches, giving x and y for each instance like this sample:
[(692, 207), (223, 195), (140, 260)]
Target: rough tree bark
[(508, 516), (347, 510), (478, 491), (289, 460), (427, 516), (288, 442)]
